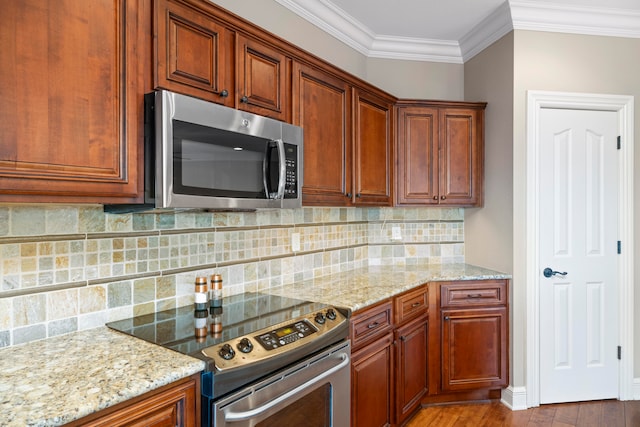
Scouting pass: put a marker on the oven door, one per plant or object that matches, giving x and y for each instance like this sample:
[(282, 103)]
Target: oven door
[(312, 393)]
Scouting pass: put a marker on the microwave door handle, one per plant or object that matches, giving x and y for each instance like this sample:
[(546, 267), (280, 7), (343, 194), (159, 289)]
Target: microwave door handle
[(283, 169), (266, 171)]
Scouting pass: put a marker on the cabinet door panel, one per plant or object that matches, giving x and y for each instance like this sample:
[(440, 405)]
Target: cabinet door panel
[(321, 106), (412, 363), (460, 156), (192, 53), (71, 84), (417, 175), (474, 349), (372, 381), (263, 79), (372, 149)]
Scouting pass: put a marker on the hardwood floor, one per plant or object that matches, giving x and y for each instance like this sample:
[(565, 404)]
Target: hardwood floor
[(604, 413)]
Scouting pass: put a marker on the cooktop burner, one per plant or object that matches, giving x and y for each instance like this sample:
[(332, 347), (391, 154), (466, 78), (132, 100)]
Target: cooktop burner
[(190, 332)]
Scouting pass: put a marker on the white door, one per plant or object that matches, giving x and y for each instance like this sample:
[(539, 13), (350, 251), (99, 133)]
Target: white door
[(578, 211)]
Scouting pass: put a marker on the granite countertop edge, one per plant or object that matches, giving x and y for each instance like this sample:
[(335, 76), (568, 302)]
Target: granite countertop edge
[(363, 287), (55, 381)]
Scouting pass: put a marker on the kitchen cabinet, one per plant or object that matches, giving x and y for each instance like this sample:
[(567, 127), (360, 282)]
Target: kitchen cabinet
[(412, 350), (372, 366), (474, 335), (322, 107), (372, 149), (199, 55), (174, 405), (440, 158), (72, 79), (194, 53), (264, 79)]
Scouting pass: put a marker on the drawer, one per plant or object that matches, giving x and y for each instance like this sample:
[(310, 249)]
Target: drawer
[(371, 323), (411, 304), (473, 293)]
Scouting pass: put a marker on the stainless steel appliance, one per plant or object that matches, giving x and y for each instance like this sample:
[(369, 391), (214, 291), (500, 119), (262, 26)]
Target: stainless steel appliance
[(271, 360), (199, 154)]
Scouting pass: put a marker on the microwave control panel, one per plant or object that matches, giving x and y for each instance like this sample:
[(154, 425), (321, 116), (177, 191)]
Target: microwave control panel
[(291, 181)]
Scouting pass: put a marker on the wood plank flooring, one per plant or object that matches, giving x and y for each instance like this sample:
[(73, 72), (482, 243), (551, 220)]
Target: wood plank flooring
[(604, 413)]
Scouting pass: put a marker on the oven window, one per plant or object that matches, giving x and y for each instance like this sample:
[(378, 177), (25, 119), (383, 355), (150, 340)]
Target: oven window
[(312, 410)]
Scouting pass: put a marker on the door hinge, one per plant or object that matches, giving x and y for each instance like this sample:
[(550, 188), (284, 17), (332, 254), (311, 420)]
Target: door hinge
[(619, 353), (619, 142), (619, 247)]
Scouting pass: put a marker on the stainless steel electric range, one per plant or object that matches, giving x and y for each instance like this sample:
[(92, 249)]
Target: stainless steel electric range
[(271, 360)]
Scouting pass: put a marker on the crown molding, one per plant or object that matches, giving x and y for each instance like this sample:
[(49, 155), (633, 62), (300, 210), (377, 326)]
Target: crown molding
[(559, 18), (513, 14)]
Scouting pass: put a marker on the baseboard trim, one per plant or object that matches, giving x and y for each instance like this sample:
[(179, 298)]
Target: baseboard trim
[(514, 398)]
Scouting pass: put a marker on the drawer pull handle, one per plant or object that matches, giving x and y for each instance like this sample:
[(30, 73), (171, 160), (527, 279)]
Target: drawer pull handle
[(373, 325), (416, 304), (474, 295)]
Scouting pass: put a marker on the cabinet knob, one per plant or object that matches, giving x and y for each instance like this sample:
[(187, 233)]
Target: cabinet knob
[(435, 197), (348, 195), (403, 338), (358, 195), (443, 197), (224, 93), (446, 317), (244, 99)]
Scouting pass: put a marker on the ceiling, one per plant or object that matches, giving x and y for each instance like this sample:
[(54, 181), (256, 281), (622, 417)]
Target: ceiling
[(456, 30)]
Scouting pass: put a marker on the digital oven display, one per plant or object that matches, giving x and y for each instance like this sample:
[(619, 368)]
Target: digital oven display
[(285, 335)]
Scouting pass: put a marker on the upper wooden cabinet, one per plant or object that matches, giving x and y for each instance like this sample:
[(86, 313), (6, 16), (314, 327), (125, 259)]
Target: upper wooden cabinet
[(193, 53), (372, 149), (264, 79), (197, 54), (440, 153), (72, 83), (322, 107)]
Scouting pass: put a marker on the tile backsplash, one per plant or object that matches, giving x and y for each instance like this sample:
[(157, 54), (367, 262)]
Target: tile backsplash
[(67, 268)]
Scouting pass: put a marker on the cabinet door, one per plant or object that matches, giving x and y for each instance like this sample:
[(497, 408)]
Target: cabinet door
[(176, 405), (321, 106), (371, 384), (72, 82), (372, 149), (411, 367), (417, 156), (263, 79), (193, 53), (461, 156), (474, 349)]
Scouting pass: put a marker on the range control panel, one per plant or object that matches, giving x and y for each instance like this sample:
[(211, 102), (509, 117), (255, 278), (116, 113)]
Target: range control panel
[(275, 340)]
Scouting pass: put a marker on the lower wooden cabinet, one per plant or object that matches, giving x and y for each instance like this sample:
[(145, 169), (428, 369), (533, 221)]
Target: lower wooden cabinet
[(174, 405), (440, 342), (411, 367), (473, 349)]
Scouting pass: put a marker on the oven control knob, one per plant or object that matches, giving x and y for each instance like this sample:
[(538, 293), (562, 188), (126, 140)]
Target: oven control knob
[(331, 314), (245, 345), (319, 318), (226, 352)]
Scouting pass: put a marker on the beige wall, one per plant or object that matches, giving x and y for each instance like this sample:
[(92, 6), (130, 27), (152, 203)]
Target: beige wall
[(404, 79), (567, 63), (489, 230)]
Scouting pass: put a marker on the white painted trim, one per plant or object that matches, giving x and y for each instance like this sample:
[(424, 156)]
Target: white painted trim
[(514, 14), (624, 106), (514, 398), (562, 18), (636, 389)]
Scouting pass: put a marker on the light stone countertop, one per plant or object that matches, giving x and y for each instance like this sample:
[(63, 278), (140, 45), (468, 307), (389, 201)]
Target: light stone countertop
[(360, 288), (57, 380)]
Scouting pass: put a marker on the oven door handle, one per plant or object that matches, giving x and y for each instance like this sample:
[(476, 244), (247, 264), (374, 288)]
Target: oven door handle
[(241, 416)]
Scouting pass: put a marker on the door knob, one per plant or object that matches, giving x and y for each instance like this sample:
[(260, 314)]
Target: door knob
[(549, 272)]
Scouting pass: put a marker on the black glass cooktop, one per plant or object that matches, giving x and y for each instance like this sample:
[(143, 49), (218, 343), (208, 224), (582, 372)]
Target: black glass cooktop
[(239, 315)]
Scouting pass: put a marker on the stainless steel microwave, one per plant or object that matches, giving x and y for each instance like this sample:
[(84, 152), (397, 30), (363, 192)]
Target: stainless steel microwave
[(203, 155)]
